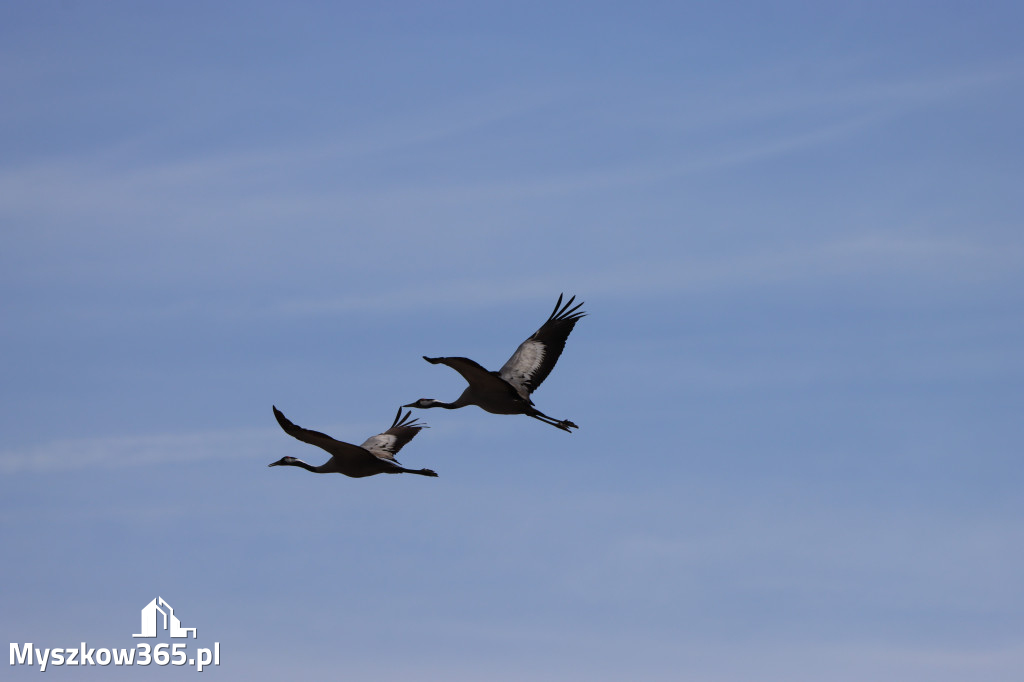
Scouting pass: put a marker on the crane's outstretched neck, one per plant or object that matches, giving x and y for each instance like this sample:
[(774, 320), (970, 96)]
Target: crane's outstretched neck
[(293, 462), (426, 403)]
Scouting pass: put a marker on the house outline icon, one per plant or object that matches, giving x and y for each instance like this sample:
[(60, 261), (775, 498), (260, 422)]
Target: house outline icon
[(150, 621)]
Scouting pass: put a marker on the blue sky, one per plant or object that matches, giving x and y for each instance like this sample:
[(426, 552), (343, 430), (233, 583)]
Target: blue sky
[(798, 233)]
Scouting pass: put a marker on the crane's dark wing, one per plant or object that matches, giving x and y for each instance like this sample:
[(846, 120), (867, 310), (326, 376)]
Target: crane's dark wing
[(536, 357), (471, 371), (483, 385), (337, 448), (386, 445)]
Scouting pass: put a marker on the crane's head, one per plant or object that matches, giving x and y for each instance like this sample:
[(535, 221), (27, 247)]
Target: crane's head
[(284, 461)]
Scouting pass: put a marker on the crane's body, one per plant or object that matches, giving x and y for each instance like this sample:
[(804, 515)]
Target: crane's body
[(375, 456)]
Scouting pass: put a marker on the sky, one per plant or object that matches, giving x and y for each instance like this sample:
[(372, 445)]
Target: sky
[(798, 230)]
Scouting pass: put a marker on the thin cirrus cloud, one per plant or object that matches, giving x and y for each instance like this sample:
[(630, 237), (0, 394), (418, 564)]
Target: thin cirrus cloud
[(866, 257), (117, 452), (108, 183)]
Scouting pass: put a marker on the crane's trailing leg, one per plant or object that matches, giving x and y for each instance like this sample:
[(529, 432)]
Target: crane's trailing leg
[(563, 424), (421, 472)]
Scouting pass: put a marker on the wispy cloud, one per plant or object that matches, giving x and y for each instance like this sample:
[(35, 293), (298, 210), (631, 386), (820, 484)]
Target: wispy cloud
[(134, 451), (868, 257), (783, 90), (245, 184), (861, 256)]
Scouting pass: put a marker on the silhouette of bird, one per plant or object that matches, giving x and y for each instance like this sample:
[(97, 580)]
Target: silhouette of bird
[(375, 456), (508, 390)]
